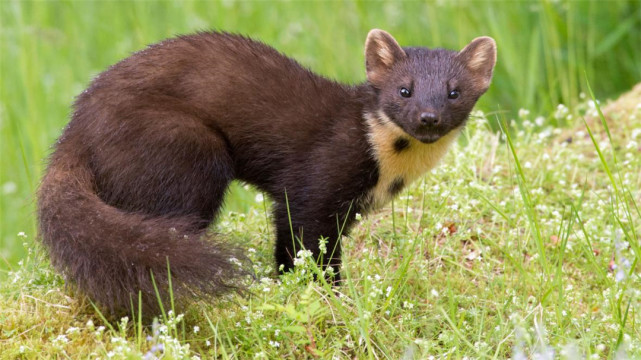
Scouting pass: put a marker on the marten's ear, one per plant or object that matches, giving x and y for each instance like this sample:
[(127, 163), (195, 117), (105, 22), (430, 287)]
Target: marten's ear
[(381, 53), (479, 56)]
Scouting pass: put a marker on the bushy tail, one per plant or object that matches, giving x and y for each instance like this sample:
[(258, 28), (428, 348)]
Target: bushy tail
[(110, 254)]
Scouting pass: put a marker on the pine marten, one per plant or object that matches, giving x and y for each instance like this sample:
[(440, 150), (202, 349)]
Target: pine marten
[(141, 170)]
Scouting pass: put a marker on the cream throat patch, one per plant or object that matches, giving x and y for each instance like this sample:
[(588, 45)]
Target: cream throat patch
[(401, 158)]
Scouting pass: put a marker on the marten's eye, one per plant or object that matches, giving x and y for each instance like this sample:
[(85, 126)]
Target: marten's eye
[(454, 94), (405, 93)]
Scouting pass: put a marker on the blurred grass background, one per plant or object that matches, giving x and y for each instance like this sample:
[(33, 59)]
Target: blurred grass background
[(50, 51)]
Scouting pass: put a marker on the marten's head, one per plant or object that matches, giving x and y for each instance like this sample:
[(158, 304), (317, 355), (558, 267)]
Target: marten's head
[(427, 93)]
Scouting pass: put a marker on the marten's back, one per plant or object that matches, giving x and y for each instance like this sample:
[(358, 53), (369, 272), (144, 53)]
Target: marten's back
[(232, 81), (256, 98)]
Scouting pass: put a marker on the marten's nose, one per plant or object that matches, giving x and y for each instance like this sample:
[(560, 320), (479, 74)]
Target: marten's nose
[(428, 118)]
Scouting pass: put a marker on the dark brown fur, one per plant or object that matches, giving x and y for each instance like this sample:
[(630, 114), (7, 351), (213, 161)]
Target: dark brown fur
[(142, 168)]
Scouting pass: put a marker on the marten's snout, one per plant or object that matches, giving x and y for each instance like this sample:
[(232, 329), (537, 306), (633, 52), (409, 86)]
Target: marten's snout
[(429, 119)]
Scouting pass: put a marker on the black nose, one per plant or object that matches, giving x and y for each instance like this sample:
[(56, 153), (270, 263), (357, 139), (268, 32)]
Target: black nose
[(429, 118)]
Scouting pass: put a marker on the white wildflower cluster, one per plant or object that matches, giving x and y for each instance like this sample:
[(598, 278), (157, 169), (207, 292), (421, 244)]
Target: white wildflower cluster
[(121, 349), (329, 271), (562, 112), (235, 261), (301, 257), (375, 286), (632, 145), (524, 113), (266, 284), (592, 109), (162, 345), (322, 245), (59, 341)]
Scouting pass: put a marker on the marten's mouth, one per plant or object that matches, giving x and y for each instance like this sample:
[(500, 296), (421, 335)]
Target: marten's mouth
[(429, 138), (430, 135)]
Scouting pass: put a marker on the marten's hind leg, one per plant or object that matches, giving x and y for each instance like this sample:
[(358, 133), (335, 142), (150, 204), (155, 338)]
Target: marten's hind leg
[(166, 163)]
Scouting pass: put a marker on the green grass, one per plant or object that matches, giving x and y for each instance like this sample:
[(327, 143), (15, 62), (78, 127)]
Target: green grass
[(518, 244)]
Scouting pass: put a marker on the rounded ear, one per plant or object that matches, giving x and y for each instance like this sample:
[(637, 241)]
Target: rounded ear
[(479, 57), (381, 53)]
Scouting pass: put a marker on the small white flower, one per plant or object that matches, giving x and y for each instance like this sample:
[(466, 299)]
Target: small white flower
[(561, 112), (540, 120), (196, 329), (303, 254), (9, 188), (632, 145), (322, 245), (72, 330), (523, 113)]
